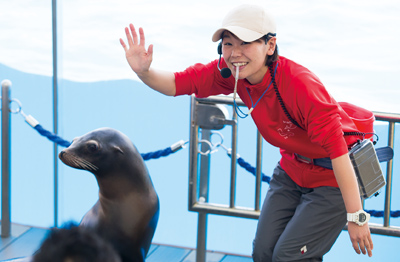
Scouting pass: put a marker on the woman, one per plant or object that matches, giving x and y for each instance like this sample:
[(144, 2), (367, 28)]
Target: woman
[(306, 205)]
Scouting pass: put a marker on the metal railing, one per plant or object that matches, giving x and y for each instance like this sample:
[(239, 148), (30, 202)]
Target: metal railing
[(206, 116)]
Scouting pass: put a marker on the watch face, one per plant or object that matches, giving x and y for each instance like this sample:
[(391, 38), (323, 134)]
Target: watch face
[(362, 217)]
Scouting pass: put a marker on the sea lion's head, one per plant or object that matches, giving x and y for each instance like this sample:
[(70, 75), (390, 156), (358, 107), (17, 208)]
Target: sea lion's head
[(101, 151)]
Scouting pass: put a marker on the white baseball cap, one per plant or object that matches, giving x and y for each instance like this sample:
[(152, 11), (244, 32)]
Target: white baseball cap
[(247, 22)]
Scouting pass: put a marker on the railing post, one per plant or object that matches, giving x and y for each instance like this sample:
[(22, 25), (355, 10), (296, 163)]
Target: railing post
[(193, 148), (232, 197), (389, 174), (258, 172), (6, 159), (55, 108), (203, 197)]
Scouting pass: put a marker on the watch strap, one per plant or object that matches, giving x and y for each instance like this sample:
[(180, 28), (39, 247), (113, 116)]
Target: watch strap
[(351, 217)]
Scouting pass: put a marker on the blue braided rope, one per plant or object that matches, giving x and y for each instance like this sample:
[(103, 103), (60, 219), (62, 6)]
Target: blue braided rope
[(52, 137), (252, 169), (375, 213), (157, 154)]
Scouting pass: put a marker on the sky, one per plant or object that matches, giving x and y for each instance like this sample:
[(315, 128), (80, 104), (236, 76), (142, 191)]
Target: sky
[(350, 45)]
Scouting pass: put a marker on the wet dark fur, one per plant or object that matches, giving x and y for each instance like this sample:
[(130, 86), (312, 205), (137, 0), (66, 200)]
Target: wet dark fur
[(126, 213)]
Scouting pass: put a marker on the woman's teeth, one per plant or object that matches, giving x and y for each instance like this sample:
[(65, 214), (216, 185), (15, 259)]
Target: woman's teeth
[(239, 64)]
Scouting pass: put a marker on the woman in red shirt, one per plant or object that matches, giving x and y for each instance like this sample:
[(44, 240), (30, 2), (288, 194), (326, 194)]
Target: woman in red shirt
[(306, 205)]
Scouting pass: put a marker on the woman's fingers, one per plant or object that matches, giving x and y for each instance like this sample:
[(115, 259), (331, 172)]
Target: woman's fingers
[(142, 38), (134, 35), (123, 44), (361, 239)]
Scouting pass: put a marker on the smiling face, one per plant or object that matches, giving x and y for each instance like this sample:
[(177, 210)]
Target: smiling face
[(248, 57)]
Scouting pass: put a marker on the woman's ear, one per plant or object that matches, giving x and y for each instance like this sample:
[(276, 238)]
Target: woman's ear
[(271, 45)]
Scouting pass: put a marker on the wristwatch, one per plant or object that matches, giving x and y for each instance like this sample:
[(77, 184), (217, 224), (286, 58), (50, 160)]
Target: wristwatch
[(360, 217)]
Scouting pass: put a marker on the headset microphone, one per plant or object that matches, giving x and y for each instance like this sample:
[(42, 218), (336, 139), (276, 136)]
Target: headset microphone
[(225, 72)]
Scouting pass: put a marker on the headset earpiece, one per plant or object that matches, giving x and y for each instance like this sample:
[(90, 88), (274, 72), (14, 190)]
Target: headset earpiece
[(225, 72)]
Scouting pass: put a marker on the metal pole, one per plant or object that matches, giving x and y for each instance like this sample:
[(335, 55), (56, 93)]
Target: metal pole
[(389, 174), (232, 198), (203, 197), (6, 160), (193, 147), (204, 165), (201, 237), (258, 172), (55, 109)]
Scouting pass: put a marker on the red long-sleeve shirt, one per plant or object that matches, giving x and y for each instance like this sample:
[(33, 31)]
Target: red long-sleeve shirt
[(307, 101)]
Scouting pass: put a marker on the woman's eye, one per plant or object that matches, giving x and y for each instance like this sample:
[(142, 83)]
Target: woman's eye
[(245, 43), (228, 44)]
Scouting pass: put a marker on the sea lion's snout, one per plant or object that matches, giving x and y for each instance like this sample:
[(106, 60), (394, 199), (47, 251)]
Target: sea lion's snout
[(76, 162), (63, 155), (60, 156)]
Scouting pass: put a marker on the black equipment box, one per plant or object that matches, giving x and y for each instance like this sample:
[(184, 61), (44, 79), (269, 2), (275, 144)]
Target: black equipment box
[(366, 166)]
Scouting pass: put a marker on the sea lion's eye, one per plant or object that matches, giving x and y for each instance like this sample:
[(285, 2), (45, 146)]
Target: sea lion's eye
[(92, 147)]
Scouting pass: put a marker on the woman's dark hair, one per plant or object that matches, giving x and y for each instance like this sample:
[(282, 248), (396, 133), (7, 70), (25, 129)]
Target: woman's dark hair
[(275, 56), (270, 58)]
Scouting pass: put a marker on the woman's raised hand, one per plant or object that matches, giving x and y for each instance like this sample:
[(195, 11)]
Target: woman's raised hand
[(138, 58)]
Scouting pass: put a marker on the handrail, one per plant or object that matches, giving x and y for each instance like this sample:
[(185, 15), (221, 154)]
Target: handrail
[(203, 207), (389, 117)]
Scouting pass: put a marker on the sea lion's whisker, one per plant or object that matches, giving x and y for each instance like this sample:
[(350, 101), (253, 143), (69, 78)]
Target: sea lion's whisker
[(79, 162), (89, 165)]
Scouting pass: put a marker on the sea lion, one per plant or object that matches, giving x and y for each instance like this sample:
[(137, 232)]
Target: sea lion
[(127, 211)]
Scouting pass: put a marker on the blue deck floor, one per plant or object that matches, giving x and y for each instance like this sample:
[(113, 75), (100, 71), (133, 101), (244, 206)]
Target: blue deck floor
[(25, 240)]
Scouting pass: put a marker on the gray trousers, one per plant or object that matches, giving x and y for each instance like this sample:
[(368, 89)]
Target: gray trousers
[(296, 223)]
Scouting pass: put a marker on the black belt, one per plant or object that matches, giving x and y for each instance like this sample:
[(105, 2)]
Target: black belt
[(384, 154)]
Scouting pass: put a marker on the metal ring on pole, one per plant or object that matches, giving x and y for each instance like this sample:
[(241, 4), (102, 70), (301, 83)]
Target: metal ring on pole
[(18, 109), (209, 150), (221, 136)]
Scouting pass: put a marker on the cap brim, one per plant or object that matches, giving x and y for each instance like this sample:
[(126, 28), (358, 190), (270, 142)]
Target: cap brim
[(242, 33)]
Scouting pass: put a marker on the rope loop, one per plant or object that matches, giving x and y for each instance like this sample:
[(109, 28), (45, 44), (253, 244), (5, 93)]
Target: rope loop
[(209, 151), (19, 107), (220, 136)]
